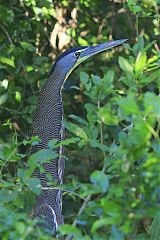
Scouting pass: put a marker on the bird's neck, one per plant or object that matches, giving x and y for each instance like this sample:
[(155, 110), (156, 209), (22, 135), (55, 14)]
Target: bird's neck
[(53, 85), (49, 109)]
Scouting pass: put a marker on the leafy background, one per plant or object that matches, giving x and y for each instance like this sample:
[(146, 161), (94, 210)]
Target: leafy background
[(112, 117)]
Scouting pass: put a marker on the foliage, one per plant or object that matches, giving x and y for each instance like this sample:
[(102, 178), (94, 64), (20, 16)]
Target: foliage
[(111, 187)]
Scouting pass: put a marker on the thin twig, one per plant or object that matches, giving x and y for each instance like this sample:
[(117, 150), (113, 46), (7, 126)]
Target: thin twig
[(101, 129), (69, 237), (18, 129), (20, 61), (64, 190), (7, 35), (12, 43)]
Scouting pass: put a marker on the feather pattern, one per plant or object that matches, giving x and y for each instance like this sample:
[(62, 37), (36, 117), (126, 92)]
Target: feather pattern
[(48, 124)]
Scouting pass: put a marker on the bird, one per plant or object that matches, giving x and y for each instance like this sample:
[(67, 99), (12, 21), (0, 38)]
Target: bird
[(47, 124)]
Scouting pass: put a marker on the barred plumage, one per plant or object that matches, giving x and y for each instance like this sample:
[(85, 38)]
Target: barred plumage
[(48, 124)]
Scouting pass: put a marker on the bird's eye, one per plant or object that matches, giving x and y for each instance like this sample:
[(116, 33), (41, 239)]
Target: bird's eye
[(77, 54)]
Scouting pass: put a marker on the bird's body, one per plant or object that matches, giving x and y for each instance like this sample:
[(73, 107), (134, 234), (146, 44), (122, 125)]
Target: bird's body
[(48, 124)]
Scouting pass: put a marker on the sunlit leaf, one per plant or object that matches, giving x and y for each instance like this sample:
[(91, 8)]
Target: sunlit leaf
[(82, 41), (29, 68), (9, 61), (4, 83), (18, 96), (106, 116), (140, 62)]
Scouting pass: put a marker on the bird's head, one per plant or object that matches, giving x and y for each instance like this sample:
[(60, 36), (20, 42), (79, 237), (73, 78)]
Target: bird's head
[(68, 60)]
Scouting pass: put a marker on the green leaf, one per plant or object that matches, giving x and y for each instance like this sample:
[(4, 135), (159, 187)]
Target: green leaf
[(128, 105), (152, 103), (52, 143), (3, 99), (91, 112), (82, 41), (140, 43), (85, 80), (18, 96), (78, 131), (140, 62), (33, 141), (45, 11), (95, 144), (29, 68), (96, 79), (33, 184), (78, 119), (152, 59), (111, 208), (68, 141), (6, 184), (7, 195), (154, 76), (137, 137), (106, 116), (42, 156), (69, 229), (108, 78), (116, 234), (125, 65), (128, 81), (20, 227), (99, 224), (100, 181), (4, 83), (151, 161), (28, 46), (9, 61)]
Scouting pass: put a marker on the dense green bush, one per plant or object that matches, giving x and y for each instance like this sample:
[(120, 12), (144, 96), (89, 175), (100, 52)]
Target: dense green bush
[(112, 147)]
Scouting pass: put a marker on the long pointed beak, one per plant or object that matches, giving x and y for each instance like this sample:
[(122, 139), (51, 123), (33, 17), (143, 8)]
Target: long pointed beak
[(90, 51)]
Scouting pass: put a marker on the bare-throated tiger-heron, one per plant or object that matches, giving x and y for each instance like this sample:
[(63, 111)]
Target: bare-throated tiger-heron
[(48, 124)]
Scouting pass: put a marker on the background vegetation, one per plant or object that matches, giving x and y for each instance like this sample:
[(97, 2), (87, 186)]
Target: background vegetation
[(112, 116)]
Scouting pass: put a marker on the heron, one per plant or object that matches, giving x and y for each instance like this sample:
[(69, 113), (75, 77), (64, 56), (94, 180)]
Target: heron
[(47, 124)]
